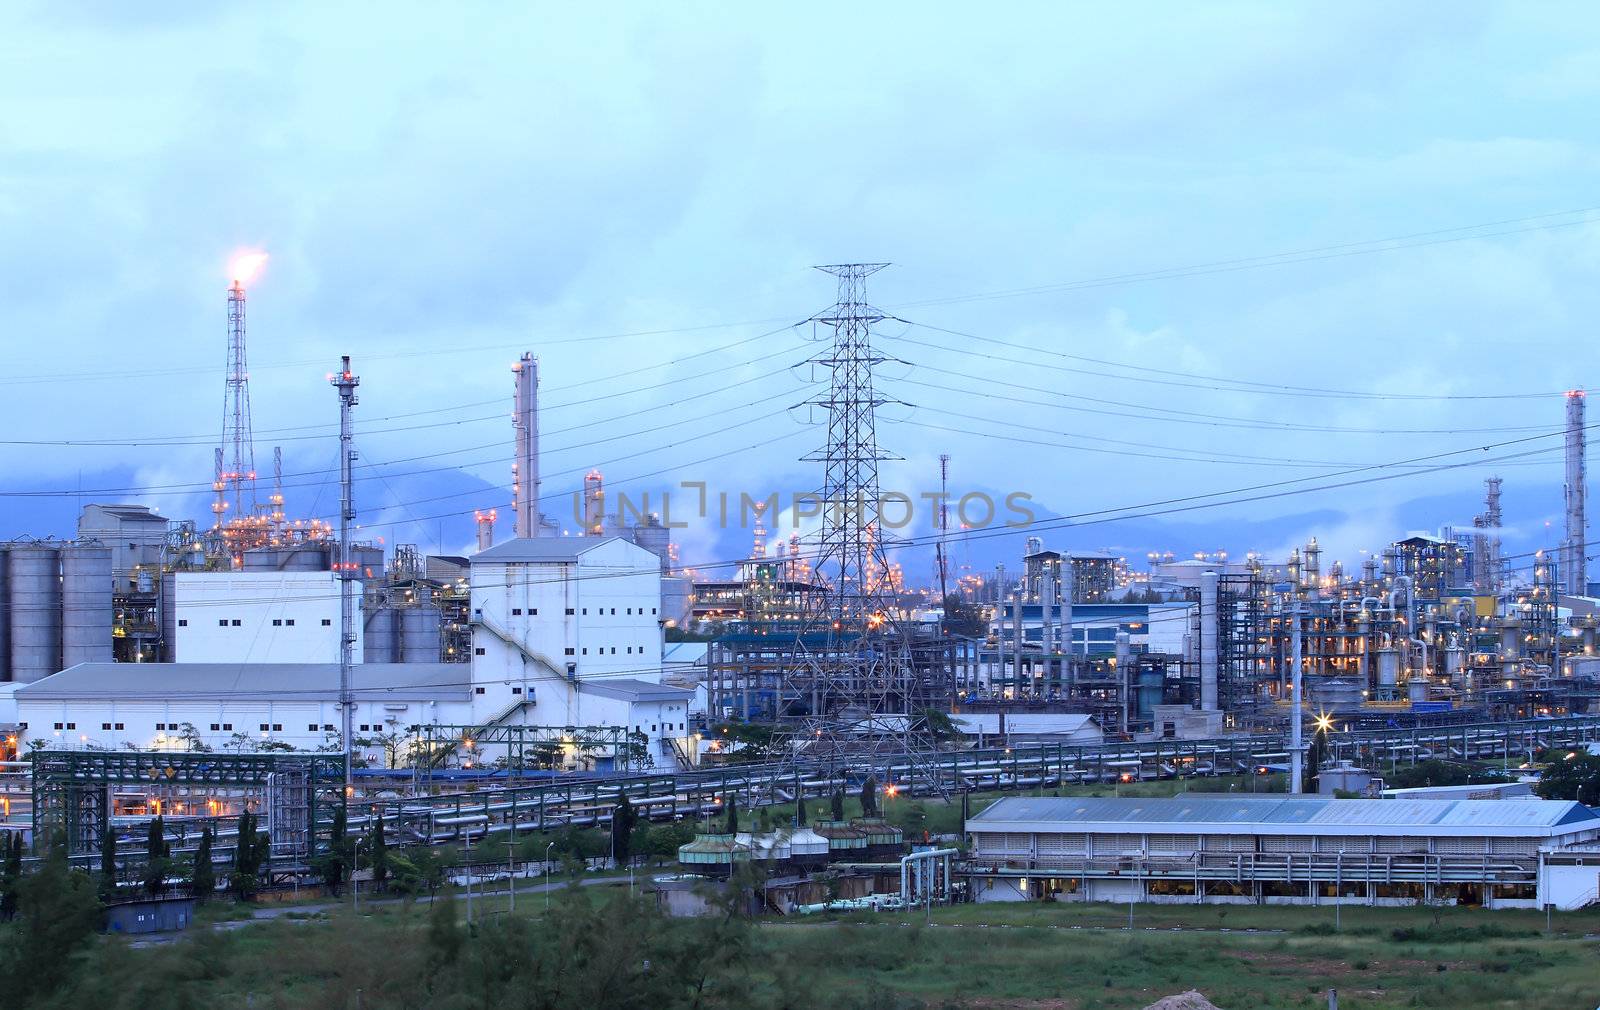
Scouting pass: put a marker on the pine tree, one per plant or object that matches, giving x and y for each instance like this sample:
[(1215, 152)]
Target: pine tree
[(155, 853), (108, 863), (733, 816), (799, 810), (333, 863), (379, 848), (869, 797), (203, 882), (838, 804), (622, 820), (10, 874)]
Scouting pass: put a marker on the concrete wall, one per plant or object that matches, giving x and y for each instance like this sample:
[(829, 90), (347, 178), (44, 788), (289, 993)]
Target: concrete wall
[(258, 617)]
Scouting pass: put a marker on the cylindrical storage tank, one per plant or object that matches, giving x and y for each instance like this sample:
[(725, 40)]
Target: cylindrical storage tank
[(1454, 661), (378, 636), (34, 582), (1388, 673), (652, 538), (1152, 688), (86, 608), (5, 617), (1417, 689), (368, 560), (299, 558), (421, 637)]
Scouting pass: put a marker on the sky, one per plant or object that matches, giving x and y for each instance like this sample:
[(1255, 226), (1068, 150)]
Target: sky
[(1138, 256)]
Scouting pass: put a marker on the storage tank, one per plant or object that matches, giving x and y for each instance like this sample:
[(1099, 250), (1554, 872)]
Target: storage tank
[(86, 608), (1152, 689), (1388, 674), (368, 559), (298, 558), (5, 617), (34, 582), (421, 638), (378, 636), (653, 537)]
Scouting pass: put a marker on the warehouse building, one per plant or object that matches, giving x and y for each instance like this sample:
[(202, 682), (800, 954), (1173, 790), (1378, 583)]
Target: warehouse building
[(1288, 850), (565, 633)]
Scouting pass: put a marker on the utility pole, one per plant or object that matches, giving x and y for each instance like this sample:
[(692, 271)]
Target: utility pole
[(346, 384), (1296, 712)]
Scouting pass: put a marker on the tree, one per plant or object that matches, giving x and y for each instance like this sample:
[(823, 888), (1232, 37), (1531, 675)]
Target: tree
[(250, 857), (838, 803), (332, 863), (733, 814), (108, 863), (869, 797), (799, 810), (623, 819), (1574, 775), (58, 913), (10, 874), (156, 853), (378, 848), (203, 881)]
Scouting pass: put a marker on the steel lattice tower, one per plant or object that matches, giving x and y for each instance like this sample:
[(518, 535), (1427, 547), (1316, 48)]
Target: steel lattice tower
[(236, 483), (852, 682)]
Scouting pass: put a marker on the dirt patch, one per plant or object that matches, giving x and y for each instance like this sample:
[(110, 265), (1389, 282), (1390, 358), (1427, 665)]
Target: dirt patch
[(1191, 1000)]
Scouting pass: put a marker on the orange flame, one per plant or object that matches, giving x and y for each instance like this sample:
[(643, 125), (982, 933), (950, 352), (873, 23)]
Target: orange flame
[(246, 266)]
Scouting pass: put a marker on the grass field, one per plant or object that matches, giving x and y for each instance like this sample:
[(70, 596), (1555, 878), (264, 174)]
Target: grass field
[(1030, 957)]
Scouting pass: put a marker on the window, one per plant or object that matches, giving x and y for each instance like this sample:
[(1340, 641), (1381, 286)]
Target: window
[(327, 622), (237, 622), (328, 727), (585, 650), (478, 651), (477, 690), (289, 621), (569, 611), (516, 611), (516, 690), (363, 727), (73, 725), (63, 726), (630, 650), (534, 611), (119, 725), (277, 727), (183, 622), (105, 725), (630, 611), (585, 611), (277, 622), (215, 727), (311, 728), (222, 622), (613, 650), (227, 726), (263, 727), (570, 651), (652, 610)]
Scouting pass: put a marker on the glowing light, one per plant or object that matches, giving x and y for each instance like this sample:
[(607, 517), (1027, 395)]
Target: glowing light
[(246, 266)]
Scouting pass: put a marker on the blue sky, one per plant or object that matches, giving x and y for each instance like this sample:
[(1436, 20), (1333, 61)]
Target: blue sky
[(439, 190)]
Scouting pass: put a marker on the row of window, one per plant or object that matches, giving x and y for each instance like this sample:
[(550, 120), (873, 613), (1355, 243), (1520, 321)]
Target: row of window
[(216, 727), (277, 622), (628, 611)]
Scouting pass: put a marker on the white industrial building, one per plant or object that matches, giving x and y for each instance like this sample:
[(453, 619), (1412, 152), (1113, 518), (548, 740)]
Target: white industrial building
[(566, 633), (257, 617), (1288, 850)]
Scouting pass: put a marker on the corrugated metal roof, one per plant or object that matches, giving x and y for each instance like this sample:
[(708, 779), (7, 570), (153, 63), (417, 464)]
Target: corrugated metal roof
[(1280, 814), (543, 548), (228, 681), (630, 689)]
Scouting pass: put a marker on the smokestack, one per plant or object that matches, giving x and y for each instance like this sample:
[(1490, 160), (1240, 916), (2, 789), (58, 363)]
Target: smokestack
[(1575, 548), (486, 528), (1208, 641), (525, 467)]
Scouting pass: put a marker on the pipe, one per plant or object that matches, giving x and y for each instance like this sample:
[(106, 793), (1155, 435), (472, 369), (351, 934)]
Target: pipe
[(905, 867), (1208, 642)]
